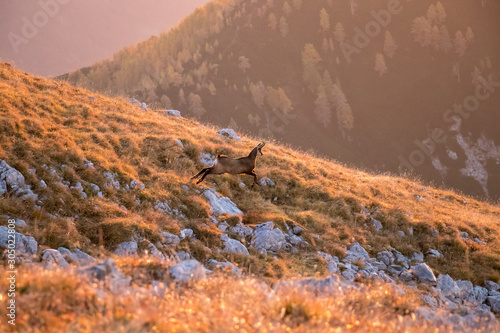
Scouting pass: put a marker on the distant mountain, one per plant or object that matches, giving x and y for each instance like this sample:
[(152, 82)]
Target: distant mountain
[(51, 37), (387, 85)]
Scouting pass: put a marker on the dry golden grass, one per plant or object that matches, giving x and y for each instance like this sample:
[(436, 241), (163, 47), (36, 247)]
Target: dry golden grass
[(61, 301), (43, 122)]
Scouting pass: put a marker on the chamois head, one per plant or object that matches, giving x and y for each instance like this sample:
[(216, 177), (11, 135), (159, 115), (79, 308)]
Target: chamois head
[(260, 146)]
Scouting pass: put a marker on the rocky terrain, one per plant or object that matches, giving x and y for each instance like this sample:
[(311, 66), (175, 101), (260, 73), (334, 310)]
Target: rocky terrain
[(110, 234)]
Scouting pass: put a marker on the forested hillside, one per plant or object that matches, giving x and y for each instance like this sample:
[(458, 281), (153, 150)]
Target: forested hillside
[(400, 86)]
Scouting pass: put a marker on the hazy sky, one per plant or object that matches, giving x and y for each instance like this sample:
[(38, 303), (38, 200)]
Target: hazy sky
[(52, 37)]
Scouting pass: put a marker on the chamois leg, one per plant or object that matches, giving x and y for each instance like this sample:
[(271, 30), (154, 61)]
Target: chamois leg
[(199, 173), (254, 178), (209, 170)]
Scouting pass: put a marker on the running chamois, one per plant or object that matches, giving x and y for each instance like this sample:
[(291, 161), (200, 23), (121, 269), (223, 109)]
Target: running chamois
[(238, 166)]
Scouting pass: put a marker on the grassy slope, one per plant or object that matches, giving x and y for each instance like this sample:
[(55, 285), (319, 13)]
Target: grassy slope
[(51, 123)]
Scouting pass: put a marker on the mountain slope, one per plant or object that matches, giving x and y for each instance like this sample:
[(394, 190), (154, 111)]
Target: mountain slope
[(54, 128), (67, 141), (352, 80)]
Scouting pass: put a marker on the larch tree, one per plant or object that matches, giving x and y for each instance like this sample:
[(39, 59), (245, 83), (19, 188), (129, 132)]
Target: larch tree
[(460, 43), (469, 35), (440, 13), (182, 98), (390, 46), (259, 93), (339, 33), (324, 19), (322, 108), (432, 15), (345, 119), (195, 105), (310, 61), (283, 26), (287, 9), (380, 65), (422, 31), (244, 63)]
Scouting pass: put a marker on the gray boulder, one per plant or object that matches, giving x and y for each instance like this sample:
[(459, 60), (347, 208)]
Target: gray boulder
[(187, 233), (189, 270), (126, 249), (107, 272), (221, 205), (154, 252), (332, 262), (423, 273), (478, 295), (464, 289), (297, 230), (267, 238), (377, 226), (216, 265), (25, 246), (229, 133), (169, 239), (207, 159), (386, 257), (241, 230), (76, 256), (356, 252), (12, 181), (233, 246), (53, 259), (264, 181), (173, 113), (491, 286), (494, 303), (418, 256), (447, 285), (434, 253)]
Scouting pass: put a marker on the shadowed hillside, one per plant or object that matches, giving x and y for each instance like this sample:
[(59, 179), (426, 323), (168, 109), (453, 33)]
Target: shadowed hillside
[(98, 172), (391, 86)]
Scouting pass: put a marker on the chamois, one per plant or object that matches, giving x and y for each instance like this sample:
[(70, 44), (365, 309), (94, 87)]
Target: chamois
[(242, 165)]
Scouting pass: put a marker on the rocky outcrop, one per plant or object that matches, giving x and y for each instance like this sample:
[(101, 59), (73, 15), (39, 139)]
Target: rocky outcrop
[(221, 205), (25, 246), (267, 238), (229, 133), (13, 182), (233, 246), (424, 273), (126, 249), (53, 259), (189, 270)]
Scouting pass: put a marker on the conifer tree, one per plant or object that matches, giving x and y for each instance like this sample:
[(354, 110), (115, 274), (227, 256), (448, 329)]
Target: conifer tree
[(390, 46)]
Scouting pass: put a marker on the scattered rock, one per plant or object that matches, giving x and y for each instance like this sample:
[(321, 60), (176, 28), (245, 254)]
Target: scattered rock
[(189, 270), (418, 256), (183, 256), (264, 181), (233, 246), (297, 230), (153, 251), (53, 259), (163, 207), (423, 273), (207, 159), (78, 257), (294, 240), (135, 184), (332, 262), (434, 253), (126, 249), (187, 233), (12, 181), (267, 238), (377, 226), (107, 272), (494, 303), (221, 205), (42, 184), (214, 264), (491, 286), (446, 284), (179, 143), (385, 257), (241, 230), (401, 233), (229, 133), (173, 113), (25, 246), (356, 252)]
